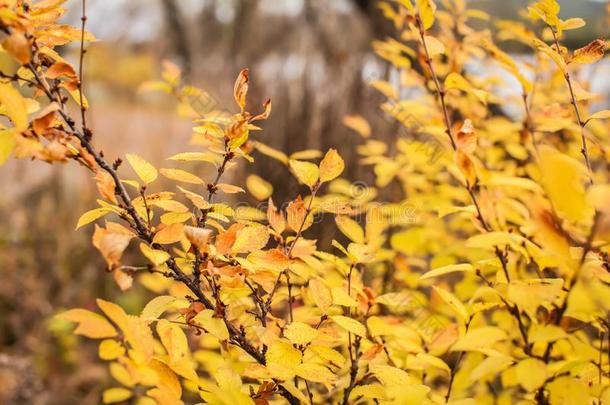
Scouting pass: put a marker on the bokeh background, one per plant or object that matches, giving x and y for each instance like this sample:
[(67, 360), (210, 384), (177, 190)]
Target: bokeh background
[(313, 58)]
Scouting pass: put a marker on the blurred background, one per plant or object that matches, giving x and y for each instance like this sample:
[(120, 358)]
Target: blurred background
[(313, 58)]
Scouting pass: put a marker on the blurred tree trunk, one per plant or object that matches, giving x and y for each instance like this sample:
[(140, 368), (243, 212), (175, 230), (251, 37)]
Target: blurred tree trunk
[(177, 34)]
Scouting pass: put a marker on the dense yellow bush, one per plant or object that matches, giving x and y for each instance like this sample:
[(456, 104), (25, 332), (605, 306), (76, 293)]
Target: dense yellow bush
[(486, 281)]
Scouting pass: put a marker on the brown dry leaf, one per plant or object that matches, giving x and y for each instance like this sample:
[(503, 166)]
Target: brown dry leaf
[(466, 137), (240, 90), (198, 237), (44, 118), (590, 53), (60, 69), (295, 214), (105, 185), (229, 188), (122, 279), (111, 242), (265, 114), (226, 239), (276, 218), (467, 168)]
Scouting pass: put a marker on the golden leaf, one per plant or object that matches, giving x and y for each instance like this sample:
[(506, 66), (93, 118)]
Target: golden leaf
[(90, 324), (306, 172), (14, 106), (169, 234), (358, 124), (180, 175), (145, 171), (331, 166), (19, 47)]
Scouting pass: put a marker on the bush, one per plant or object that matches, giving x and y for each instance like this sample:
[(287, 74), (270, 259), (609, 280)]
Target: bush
[(485, 281)]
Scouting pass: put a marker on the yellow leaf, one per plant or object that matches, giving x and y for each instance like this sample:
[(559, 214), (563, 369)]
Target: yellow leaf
[(14, 106), (19, 47), (306, 154), (169, 234), (426, 9), (341, 297), (572, 24), (546, 10), (385, 88), (531, 373), (145, 171), (358, 124), (480, 338), (110, 349), (176, 344), (259, 188), (433, 361), (181, 175), (350, 228), (457, 81), (567, 390), (350, 325), (272, 153), (196, 157), (114, 395), (328, 354), (282, 360), (250, 238), (7, 144), (320, 293), (561, 172), (331, 166), (306, 172), (552, 53), (91, 216), (529, 295), (114, 312), (361, 253), (600, 115), (435, 47), (390, 377), (453, 302), (157, 306), (157, 257), (300, 333), (452, 268), (315, 373), (90, 324), (369, 391)]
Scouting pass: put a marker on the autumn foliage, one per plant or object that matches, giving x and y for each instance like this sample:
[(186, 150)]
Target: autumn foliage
[(485, 281)]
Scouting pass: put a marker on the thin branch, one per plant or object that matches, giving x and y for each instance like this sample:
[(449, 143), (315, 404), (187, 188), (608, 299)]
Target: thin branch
[(581, 123)]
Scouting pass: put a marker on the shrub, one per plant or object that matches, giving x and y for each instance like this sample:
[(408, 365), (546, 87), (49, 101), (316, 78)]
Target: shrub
[(485, 281)]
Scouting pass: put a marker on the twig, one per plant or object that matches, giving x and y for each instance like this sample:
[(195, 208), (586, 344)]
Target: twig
[(581, 123)]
